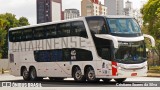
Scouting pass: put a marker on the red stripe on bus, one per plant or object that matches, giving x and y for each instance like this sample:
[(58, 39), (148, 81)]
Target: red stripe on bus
[(114, 68)]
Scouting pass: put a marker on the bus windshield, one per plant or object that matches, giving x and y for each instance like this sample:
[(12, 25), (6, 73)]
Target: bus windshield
[(130, 52), (123, 25)]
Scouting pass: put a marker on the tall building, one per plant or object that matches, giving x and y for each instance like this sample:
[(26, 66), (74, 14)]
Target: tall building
[(92, 7), (49, 10), (114, 7), (71, 13), (128, 10)]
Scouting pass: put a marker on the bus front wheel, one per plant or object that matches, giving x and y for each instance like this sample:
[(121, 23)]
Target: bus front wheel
[(77, 75), (90, 75), (25, 74), (120, 80)]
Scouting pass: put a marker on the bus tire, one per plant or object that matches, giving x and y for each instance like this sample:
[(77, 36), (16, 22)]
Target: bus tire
[(33, 74), (120, 80), (106, 80), (77, 75), (25, 74), (90, 75)]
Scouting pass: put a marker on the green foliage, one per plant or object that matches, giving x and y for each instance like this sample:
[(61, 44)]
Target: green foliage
[(8, 21), (154, 69), (151, 18), (23, 21), (3, 33)]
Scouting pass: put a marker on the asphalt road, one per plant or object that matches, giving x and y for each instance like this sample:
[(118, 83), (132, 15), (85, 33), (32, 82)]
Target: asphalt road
[(145, 82)]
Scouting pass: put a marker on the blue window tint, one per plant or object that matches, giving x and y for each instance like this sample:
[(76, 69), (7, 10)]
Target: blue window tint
[(123, 25), (56, 55)]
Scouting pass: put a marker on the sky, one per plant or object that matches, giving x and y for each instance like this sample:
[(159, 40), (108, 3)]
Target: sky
[(27, 8)]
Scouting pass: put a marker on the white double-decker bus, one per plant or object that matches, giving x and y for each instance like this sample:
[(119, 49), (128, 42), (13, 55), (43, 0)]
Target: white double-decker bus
[(86, 49)]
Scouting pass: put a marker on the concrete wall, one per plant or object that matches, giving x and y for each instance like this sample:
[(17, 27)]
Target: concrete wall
[(4, 64)]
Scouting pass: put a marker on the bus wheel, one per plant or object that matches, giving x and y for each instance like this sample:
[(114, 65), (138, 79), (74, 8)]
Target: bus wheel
[(77, 75), (120, 80), (25, 74), (90, 75), (33, 74), (106, 80)]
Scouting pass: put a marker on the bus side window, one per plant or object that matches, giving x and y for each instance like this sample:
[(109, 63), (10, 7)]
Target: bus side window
[(105, 53), (97, 25), (27, 34), (78, 29), (83, 55), (51, 31), (64, 29), (15, 36), (39, 33)]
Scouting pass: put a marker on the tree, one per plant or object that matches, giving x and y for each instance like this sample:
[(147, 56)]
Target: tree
[(151, 17), (8, 21), (23, 21), (3, 33)]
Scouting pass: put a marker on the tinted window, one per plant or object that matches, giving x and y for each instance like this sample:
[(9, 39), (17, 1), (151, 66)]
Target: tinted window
[(83, 55), (66, 54), (97, 25), (27, 35), (51, 31), (78, 29), (123, 25), (42, 56), (56, 55), (64, 29), (39, 33), (15, 36)]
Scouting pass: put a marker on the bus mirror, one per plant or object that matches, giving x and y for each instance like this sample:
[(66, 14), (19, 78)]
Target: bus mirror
[(151, 38)]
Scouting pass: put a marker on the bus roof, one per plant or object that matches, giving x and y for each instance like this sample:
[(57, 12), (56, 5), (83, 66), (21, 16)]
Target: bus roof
[(47, 23), (61, 21)]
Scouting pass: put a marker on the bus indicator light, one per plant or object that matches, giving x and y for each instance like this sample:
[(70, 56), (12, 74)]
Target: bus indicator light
[(134, 74)]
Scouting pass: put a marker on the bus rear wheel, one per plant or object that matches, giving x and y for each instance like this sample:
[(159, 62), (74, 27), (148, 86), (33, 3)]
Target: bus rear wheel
[(77, 75), (33, 74), (25, 74), (120, 80), (90, 75)]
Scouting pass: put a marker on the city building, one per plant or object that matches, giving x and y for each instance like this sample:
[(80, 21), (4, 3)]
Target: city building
[(49, 10), (128, 10), (71, 13), (114, 7), (92, 8)]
